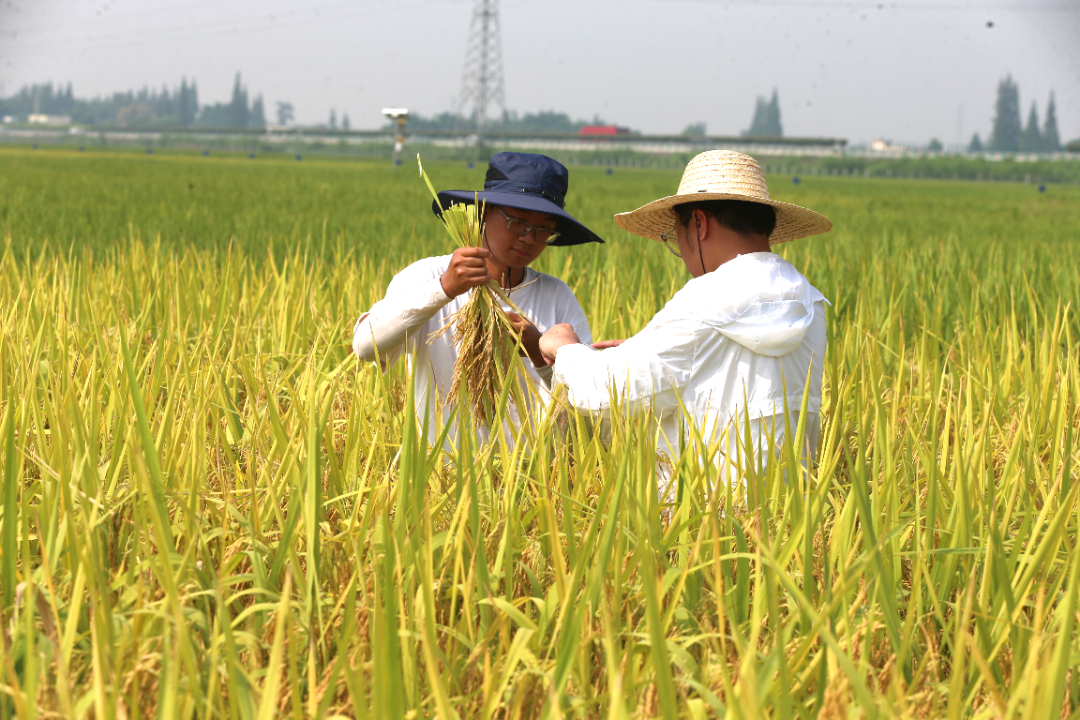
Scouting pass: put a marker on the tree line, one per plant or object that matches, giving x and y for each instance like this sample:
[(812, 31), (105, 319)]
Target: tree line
[(765, 122), (1009, 134), (166, 107), (545, 121), (180, 106)]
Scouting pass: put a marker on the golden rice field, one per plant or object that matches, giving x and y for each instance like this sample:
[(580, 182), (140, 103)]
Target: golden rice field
[(211, 510)]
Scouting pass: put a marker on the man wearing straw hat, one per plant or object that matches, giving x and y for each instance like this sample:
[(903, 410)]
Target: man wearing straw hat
[(524, 196), (737, 345)]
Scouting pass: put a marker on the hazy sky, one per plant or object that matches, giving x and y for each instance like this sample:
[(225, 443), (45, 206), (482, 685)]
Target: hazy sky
[(903, 70)]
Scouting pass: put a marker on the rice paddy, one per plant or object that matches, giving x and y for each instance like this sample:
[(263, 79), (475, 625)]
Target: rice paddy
[(210, 509)]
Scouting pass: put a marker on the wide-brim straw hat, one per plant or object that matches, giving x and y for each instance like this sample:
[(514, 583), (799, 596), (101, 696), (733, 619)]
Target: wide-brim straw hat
[(723, 175)]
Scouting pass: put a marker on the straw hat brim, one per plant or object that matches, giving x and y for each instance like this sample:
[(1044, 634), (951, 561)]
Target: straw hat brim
[(656, 218)]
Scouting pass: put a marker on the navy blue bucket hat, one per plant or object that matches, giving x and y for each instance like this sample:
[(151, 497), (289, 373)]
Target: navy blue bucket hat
[(527, 182)]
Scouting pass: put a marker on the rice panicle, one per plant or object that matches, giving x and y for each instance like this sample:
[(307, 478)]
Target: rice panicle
[(487, 351)]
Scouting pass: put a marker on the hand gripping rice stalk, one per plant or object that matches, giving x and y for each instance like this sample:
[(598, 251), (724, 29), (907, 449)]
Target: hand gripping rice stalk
[(487, 347)]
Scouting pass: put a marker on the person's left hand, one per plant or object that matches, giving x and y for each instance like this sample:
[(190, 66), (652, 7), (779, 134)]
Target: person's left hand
[(529, 336), (555, 338), (605, 344)]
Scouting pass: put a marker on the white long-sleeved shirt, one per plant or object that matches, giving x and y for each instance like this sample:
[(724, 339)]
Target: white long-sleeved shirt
[(416, 306), (736, 342)]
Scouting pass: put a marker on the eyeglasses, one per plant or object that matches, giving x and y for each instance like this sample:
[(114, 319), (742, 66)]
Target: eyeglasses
[(521, 228), (671, 240)]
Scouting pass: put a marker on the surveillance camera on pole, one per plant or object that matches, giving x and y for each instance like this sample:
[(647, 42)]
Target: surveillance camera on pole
[(400, 116)]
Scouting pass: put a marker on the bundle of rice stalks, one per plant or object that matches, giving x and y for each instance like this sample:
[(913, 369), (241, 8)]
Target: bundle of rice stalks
[(483, 334)]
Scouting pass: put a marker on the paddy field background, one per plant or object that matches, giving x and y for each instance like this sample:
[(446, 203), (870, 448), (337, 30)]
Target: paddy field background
[(211, 510)]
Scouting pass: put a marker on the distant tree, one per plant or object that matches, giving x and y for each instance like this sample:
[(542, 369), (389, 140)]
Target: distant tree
[(145, 107), (545, 121), (766, 122), (187, 101), (757, 124), (137, 113), (1006, 133), (934, 146), (238, 108), (182, 100), (442, 121), (218, 115), (258, 116), (40, 99), (774, 126), (1051, 139), (66, 101), (284, 112), (694, 130), (345, 122), (1031, 138), (166, 106), (975, 146), (333, 119)]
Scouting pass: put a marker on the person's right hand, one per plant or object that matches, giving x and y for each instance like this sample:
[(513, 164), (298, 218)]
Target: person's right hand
[(468, 268), (605, 344), (555, 338)]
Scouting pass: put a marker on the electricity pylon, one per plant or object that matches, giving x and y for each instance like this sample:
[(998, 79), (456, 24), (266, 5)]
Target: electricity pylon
[(482, 80)]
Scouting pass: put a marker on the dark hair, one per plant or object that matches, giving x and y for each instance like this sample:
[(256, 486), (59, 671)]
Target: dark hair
[(742, 216)]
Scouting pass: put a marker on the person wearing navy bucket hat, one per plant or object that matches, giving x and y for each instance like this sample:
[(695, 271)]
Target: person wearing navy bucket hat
[(532, 183), (524, 199)]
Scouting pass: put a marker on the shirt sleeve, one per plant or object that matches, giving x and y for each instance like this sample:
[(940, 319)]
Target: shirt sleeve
[(413, 297), (645, 372)]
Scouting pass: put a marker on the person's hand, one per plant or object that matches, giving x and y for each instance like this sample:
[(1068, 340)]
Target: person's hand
[(555, 338), (529, 336), (605, 344), (468, 268)]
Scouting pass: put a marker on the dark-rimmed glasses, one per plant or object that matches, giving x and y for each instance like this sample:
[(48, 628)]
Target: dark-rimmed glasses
[(521, 228)]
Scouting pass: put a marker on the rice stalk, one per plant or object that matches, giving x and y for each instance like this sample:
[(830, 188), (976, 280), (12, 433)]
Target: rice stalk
[(520, 580), (482, 332)]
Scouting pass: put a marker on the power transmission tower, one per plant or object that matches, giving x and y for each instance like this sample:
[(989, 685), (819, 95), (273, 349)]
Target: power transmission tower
[(482, 80)]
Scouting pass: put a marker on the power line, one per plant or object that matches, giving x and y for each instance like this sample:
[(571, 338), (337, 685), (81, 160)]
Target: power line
[(327, 14), (190, 9), (268, 22), (881, 5)]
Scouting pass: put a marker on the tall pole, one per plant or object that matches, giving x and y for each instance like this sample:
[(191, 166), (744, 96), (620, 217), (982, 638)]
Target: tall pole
[(399, 116), (482, 78)]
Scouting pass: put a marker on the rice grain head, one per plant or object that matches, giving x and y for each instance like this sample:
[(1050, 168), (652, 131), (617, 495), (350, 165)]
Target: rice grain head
[(487, 347)]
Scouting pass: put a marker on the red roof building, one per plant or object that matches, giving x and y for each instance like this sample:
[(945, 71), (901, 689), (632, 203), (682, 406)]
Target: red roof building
[(603, 130)]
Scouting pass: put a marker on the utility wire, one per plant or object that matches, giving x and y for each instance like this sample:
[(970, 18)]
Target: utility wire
[(271, 22), (290, 19), (815, 4)]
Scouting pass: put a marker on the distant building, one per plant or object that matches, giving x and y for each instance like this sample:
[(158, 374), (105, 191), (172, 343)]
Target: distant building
[(882, 145), (603, 130), (9, 119), (49, 119)]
